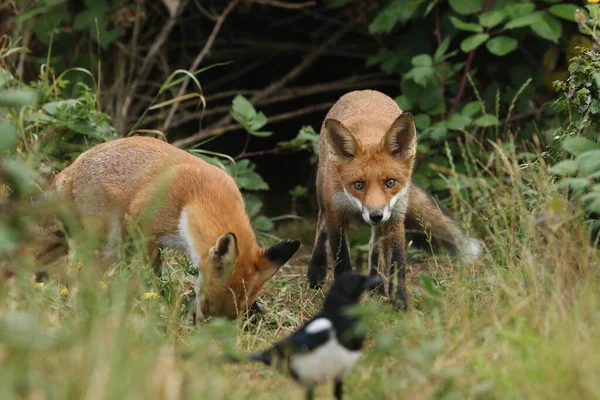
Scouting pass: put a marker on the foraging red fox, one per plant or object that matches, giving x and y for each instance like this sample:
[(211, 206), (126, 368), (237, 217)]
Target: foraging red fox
[(366, 154), (200, 211)]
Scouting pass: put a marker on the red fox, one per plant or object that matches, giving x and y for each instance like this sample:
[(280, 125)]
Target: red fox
[(366, 154), (200, 211)]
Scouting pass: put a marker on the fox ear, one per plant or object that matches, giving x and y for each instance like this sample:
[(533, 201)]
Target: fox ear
[(401, 139), (342, 143), (277, 255), (224, 254)]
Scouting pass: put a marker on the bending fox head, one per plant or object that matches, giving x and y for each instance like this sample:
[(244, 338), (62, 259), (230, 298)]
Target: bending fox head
[(186, 204), (374, 172), (235, 279)]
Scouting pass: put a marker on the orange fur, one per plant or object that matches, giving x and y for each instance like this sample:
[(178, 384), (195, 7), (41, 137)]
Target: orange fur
[(186, 203)]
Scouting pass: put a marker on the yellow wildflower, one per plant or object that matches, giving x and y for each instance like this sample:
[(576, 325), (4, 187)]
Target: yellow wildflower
[(64, 292), (593, 1), (39, 284), (150, 295), (79, 265), (102, 285)]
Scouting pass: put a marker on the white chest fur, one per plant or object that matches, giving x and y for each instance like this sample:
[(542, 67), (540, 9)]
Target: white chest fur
[(182, 240)]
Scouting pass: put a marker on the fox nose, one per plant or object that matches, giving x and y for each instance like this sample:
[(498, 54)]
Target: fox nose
[(376, 216)]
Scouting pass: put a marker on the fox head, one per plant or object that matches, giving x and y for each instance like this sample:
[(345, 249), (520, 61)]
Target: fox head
[(234, 279), (375, 176)]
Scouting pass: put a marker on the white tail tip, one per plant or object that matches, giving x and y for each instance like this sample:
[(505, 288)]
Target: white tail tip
[(472, 250)]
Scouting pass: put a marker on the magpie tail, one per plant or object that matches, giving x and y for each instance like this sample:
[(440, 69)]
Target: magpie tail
[(260, 357)]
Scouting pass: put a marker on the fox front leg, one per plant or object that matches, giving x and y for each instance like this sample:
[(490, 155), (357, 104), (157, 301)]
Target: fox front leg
[(393, 249), (374, 256), (338, 246), (317, 266)]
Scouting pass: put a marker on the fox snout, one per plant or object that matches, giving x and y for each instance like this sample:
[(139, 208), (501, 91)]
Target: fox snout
[(376, 215)]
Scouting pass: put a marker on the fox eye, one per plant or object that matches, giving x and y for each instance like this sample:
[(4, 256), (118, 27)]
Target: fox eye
[(390, 183), (358, 185)]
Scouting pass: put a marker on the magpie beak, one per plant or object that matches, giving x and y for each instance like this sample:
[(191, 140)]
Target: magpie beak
[(326, 347), (372, 282)]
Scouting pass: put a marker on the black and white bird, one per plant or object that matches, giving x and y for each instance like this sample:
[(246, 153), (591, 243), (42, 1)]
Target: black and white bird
[(326, 347)]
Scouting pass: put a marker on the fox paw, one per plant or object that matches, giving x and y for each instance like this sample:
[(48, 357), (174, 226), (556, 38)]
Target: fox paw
[(316, 278), (316, 284)]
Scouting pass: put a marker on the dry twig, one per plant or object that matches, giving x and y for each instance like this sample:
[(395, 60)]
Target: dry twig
[(199, 58)]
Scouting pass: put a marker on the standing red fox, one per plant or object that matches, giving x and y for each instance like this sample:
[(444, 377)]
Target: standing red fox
[(200, 211), (366, 155)]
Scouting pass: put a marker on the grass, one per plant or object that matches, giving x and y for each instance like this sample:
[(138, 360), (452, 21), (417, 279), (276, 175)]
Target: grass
[(522, 323)]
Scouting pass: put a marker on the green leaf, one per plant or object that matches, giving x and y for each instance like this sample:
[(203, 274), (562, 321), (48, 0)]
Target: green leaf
[(579, 145), (517, 10), (15, 50), (54, 107), (470, 109), (247, 178), (548, 27), (466, 7), (307, 139), (17, 97), (5, 77), (403, 102), (397, 11), (8, 136), (577, 184), (589, 162), (501, 45), (263, 224), (474, 41), (564, 11), (465, 26), (442, 49), (486, 120), (492, 18), (438, 131), (458, 122), (242, 107), (19, 177), (430, 100), (258, 121), (244, 113), (566, 167), (525, 20), (252, 203), (410, 89), (422, 60), (594, 206), (84, 19), (421, 75), (422, 121)]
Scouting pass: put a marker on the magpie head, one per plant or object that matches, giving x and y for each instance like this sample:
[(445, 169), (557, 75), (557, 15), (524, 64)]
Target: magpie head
[(348, 288)]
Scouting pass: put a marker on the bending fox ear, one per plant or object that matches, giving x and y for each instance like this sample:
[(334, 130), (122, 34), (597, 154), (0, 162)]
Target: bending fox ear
[(276, 256), (224, 254), (281, 252), (342, 143), (401, 139)]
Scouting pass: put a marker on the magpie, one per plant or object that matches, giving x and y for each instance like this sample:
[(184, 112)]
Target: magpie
[(326, 347)]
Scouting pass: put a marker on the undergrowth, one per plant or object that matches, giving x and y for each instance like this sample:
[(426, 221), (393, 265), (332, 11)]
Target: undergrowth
[(522, 323)]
